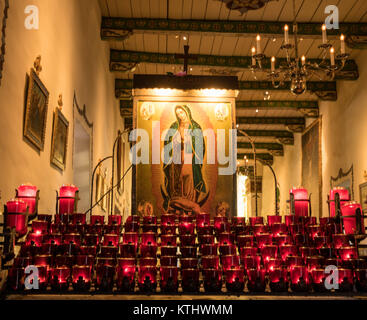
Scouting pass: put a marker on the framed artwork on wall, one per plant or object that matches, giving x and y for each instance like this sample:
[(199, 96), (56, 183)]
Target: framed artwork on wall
[(36, 111), (345, 180), (59, 142), (363, 195)]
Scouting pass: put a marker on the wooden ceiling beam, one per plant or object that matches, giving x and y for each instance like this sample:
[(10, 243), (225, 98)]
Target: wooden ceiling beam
[(119, 28), (267, 157), (283, 136), (276, 149)]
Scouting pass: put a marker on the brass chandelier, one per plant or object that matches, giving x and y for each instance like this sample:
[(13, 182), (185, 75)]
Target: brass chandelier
[(297, 69)]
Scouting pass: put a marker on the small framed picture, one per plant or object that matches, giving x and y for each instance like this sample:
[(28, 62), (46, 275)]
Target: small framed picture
[(59, 142)]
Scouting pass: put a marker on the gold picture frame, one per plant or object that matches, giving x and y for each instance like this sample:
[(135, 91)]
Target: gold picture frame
[(35, 117), (59, 142)]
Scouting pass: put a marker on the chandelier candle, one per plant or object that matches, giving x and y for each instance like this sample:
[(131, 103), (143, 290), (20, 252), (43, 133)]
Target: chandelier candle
[(253, 51), (332, 56), (342, 44), (258, 44), (324, 35), (286, 34), (272, 64)]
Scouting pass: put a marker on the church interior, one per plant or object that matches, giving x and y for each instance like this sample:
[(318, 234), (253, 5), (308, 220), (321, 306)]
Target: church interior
[(154, 148)]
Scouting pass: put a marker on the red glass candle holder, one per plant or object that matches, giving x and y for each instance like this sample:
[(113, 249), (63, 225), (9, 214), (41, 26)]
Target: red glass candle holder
[(111, 240), (314, 262), (227, 249), (238, 221), (64, 260), (147, 273), (91, 239), (108, 251), (106, 261), (210, 262), (168, 229), (115, 220), (254, 275), (296, 229), (93, 228), (126, 262), (17, 216), (321, 241), (148, 250), (22, 262), (230, 261), (288, 250), (347, 253), (168, 261), (88, 250), (292, 261), (148, 238), (218, 220), (150, 228), (61, 275), (71, 228), (42, 260), (251, 262), (269, 251), (187, 239), (206, 239), (256, 220), (234, 275), (202, 220), (190, 280), (345, 275), (325, 220), (67, 198), (149, 220), (248, 251), (40, 227), (301, 239), (131, 226), (97, 219), (300, 201), (263, 239), (340, 240), (15, 279), (276, 274), (314, 231), (168, 250), (81, 273), (297, 273), (185, 218), (130, 238), (73, 238), (169, 278), (327, 252), (168, 219), (204, 230), (186, 228), (282, 239), (28, 194), (209, 249), (278, 228), (349, 218), (290, 219), (258, 228), (189, 263), (47, 248), (168, 240), (84, 260), (133, 217), (307, 252), (223, 227), (105, 275), (148, 262), (79, 218), (125, 278), (34, 239), (226, 238), (274, 219), (318, 276), (188, 252), (271, 264), (244, 240), (45, 217)]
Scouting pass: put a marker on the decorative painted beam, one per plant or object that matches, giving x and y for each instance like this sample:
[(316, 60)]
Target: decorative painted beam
[(307, 108), (293, 124), (119, 28), (325, 90), (262, 156), (276, 149), (283, 136), (121, 60)]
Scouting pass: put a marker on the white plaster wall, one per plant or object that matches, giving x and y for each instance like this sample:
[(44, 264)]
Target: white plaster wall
[(73, 59)]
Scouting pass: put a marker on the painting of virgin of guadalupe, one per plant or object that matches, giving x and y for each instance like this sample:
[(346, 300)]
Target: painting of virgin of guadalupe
[(184, 151)]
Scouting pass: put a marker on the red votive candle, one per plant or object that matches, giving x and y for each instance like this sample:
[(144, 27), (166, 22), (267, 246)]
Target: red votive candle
[(258, 228), (226, 238), (314, 230), (134, 218), (149, 220), (169, 261), (340, 240), (72, 238), (131, 226), (148, 250), (84, 260), (282, 239), (186, 228), (105, 272), (62, 274), (188, 252), (210, 262), (204, 230), (42, 260), (34, 239), (345, 274), (256, 220), (238, 221), (202, 219), (296, 229), (88, 250), (230, 261), (269, 251), (97, 219), (297, 273), (186, 218), (290, 219), (115, 220), (271, 264), (28, 194), (17, 217), (274, 219), (40, 227), (233, 275), (251, 262), (300, 201), (219, 220), (187, 239), (168, 240), (292, 261), (91, 239), (148, 238), (169, 274), (147, 273), (168, 250), (189, 263), (288, 250), (189, 276), (79, 218), (212, 276), (276, 274), (126, 272), (248, 251), (67, 199), (254, 274), (130, 238), (325, 220), (107, 261), (227, 249), (349, 221), (209, 249), (83, 272), (126, 262), (244, 240), (111, 240), (223, 227), (168, 219), (263, 239), (278, 228), (307, 252), (318, 275), (127, 250), (64, 260), (206, 239), (321, 241), (22, 262), (347, 253), (314, 262), (108, 251), (148, 262)]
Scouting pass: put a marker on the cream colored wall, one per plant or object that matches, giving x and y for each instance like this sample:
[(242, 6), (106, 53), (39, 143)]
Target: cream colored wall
[(73, 59), (288, 172), (344, 129)]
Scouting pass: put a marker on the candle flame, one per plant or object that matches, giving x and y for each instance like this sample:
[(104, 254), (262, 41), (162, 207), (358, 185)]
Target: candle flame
[(273, 59), (342, 37), (323, 27), (258, 37), (332, 50), (286, 27), (253, 50)]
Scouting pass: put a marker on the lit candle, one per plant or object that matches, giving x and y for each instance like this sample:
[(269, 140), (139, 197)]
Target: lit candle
[(273, 64), (286, 34), (258, 45), (324, 35), (303, 59), (342, 44), (332, 56), (253, 51)]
